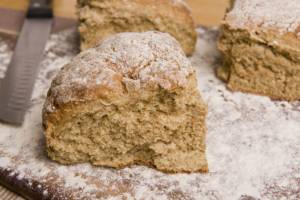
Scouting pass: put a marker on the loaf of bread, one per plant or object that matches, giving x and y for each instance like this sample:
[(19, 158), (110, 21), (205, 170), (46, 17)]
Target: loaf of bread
[(260, 41), (133, 99), (102, 18)]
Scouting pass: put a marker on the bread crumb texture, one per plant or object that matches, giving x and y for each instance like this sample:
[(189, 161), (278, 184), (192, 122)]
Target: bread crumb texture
[(100, 19), (133, 99), (260, 42)]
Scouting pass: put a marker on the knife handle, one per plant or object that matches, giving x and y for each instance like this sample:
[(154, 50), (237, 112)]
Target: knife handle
[(40, 9)]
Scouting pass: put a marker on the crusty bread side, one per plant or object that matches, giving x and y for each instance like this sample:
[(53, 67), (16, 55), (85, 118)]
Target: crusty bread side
[(102, 18), (133, 99), (261, 47)]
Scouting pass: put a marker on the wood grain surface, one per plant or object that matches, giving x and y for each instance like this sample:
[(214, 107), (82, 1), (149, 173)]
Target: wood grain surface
[(8, 195)]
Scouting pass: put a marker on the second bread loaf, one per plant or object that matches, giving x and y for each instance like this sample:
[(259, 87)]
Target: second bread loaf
[(102, 18)]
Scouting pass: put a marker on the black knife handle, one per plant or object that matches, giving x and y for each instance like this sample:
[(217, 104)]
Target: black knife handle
[(40, 9)]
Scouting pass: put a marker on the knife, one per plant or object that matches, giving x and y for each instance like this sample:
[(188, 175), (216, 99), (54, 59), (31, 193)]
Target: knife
[(17, 86)]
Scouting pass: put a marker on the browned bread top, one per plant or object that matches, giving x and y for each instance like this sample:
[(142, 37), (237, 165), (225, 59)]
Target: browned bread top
[(178, 3), (123, 63)]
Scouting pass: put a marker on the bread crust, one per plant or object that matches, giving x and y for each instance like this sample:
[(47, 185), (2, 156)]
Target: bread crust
[(100, 72)]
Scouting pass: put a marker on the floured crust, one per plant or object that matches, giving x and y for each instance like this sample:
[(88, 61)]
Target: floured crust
[(100, 19), (277, 15), (124, 62)]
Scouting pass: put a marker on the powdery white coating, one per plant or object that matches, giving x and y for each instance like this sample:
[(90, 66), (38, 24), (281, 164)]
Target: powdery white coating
[(253, 145), (150, 58), (138, 60), (283, 15)]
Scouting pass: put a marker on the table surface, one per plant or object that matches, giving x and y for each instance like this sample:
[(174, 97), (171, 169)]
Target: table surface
[(205, 12), (253, 143)]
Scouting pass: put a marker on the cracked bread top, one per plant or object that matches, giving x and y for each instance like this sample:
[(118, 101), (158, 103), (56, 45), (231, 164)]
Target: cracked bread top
[(175, 2), (122, 63), (279, 15)]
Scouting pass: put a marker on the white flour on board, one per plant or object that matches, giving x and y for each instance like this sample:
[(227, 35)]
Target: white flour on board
[(253, 143)]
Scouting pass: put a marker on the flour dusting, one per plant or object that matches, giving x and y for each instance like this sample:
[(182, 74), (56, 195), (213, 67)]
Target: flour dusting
[(137, 60), (279, 14), (253, 143)]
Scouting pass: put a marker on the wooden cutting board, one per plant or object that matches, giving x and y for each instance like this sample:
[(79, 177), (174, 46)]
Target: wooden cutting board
[(12, 13), (253, 144)]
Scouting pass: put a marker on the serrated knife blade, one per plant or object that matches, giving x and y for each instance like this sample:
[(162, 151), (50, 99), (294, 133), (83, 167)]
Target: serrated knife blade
[(17, 86)]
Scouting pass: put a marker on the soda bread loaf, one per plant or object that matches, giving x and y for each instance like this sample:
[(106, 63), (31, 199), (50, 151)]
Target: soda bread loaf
[(132, 99), (102, 18), (260, 41)]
